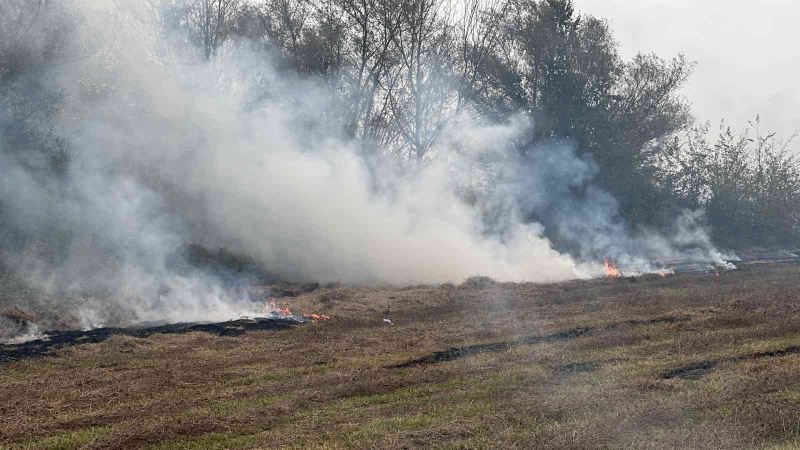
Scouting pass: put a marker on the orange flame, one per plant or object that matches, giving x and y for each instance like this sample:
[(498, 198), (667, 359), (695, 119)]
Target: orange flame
[(272, 307), (316, 317), (284, 312), (612, 271)]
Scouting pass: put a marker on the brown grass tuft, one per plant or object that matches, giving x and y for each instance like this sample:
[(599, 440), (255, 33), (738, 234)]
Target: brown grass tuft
[(342, 383)]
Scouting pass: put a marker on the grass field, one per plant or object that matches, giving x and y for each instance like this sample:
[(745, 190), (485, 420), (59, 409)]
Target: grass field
[(686, 361)]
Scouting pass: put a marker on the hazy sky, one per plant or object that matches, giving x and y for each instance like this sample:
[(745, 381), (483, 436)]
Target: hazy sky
[(748, 52)]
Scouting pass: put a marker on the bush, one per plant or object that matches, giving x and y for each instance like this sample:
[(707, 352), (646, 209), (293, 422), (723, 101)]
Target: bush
[(478, 282), (749, 185)]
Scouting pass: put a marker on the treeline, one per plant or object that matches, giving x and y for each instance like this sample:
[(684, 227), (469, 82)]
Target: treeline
[(401, 70)]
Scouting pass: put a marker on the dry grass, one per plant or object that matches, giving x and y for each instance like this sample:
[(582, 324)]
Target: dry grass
[(332, 385)]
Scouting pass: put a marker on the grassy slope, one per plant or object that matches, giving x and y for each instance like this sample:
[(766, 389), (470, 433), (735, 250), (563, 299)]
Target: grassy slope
[(327, 385)]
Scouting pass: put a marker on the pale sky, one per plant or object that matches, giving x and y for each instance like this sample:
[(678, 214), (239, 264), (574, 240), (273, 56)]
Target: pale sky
[(747, 53)]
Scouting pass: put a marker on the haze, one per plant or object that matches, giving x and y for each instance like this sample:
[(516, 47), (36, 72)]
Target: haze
[(746, 53)]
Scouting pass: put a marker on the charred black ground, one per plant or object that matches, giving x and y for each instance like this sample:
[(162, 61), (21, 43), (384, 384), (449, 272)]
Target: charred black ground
[(461, 352), (57, 340), (697, 370)]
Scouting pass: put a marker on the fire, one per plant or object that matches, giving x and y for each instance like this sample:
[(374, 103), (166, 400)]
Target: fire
[(272, 307), (612, 271), (315, 317), (666, 272), (285, 313)]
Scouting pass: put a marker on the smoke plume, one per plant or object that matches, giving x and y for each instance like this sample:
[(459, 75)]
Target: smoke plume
[(164, 150)]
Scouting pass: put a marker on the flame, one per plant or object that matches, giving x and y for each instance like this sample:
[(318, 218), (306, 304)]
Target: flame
[(272, 308), (315, 317), (612, 271), (284, 312)]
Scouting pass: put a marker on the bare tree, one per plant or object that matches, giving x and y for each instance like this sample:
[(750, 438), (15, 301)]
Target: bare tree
[(348, 44), (290, 18), (210, 22), (424, 98), (35, 39), (372, 27), (481, 35)]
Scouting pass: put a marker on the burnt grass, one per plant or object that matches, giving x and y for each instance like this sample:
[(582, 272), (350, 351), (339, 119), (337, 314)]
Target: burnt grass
[(55, 340), (693, 360), (461, 352), (699, 369)]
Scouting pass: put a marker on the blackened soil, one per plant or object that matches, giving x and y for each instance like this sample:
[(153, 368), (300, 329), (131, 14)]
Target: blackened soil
[(59, 339), (692, 371), (697, 370), (462, 352)]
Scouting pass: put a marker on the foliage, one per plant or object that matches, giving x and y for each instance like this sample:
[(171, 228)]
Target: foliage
[(749, 184), (400, 71)]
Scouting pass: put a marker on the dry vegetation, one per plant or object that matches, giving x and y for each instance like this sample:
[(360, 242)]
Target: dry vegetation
[(574, 365)]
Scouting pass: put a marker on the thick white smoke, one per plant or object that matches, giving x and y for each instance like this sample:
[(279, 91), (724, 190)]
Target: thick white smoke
[(240, 172), (165, 151)]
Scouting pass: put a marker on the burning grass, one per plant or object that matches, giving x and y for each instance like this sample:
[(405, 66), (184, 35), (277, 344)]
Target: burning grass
[(520, 375)]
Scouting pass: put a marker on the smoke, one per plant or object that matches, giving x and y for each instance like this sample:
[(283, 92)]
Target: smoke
[(165, 151), (555, 185)]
